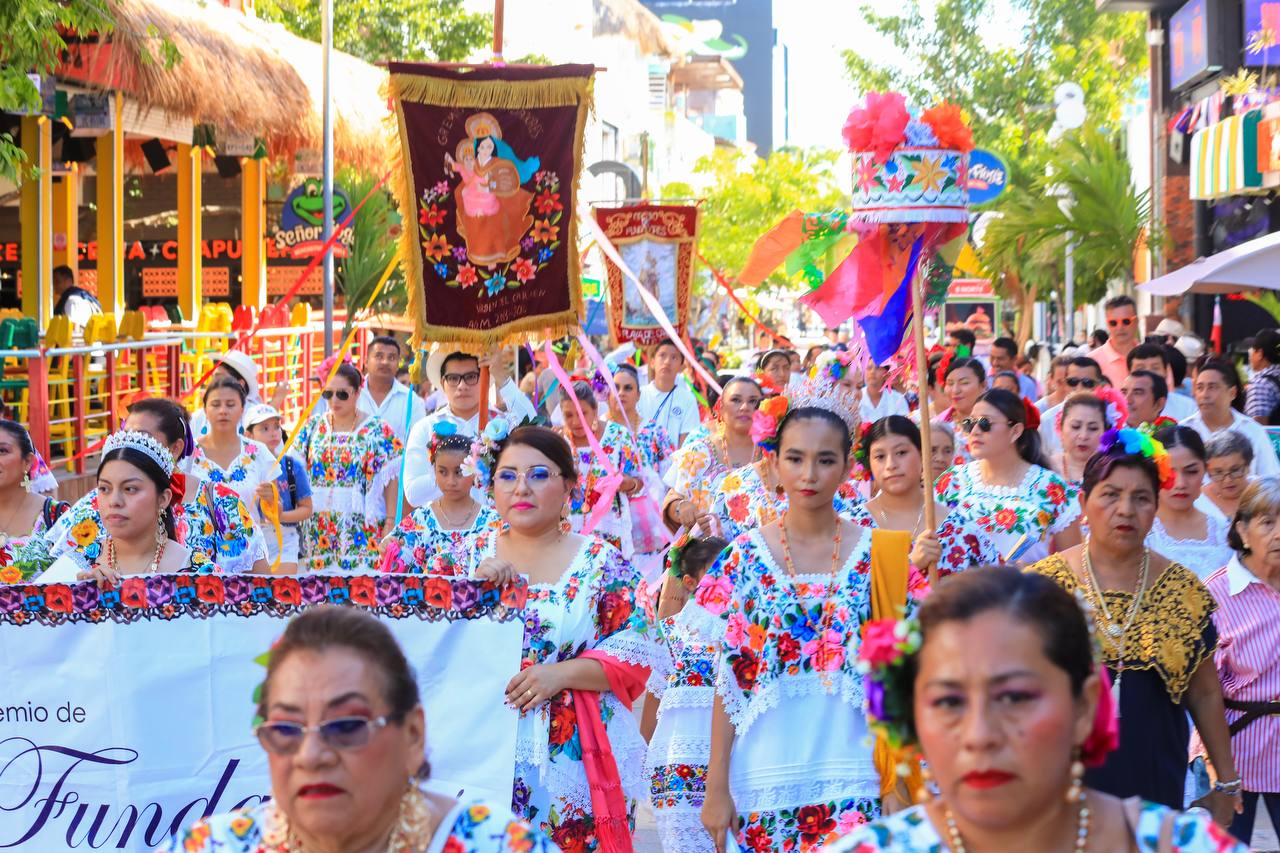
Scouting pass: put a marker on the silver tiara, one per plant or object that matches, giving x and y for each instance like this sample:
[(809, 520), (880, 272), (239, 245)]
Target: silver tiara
[(143, 443), (827, 395)]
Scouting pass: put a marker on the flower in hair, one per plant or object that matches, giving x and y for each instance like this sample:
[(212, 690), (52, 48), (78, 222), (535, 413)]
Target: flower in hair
[(765, 421), (1033, 414), (497, 430), (884, 656), (831, 366), (1133, 442), (861, 450)]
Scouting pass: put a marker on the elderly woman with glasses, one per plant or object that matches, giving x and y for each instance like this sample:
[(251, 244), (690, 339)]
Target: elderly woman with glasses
[(588, 643), (345, 737), (1228, 457), (351, 462)]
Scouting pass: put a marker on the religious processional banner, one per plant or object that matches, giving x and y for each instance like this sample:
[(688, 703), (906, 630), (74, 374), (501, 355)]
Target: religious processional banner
[(127, 713), (658, 243), (490, 158)]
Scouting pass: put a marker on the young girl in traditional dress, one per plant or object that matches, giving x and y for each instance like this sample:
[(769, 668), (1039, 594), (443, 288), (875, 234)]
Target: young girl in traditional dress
[(791, 767), (446, 526), (351, 461), (614, 524), (224, 455), (677, 709)]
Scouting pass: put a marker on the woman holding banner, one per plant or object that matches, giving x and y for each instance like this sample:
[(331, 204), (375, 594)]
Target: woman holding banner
[(588, 641), (339, 674), (211, 519), (700, 462), (27, 515), (351, 461), (620, 458), (137, 488)]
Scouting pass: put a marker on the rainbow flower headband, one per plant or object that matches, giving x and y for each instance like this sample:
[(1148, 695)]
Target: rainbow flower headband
[(1135, 442)]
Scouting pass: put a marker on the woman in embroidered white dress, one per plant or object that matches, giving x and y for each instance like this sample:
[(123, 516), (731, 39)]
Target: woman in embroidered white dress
[(677, 708), (1008, 490), (890, 449), (791, 766), (223, 455), (446, 525), (352, 463), (1180, 531), (654, 448), (614, 523), (26, 514), (1005, 700), (587, 646), (700, 462)]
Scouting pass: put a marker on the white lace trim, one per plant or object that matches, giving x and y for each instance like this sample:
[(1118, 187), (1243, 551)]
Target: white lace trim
[(375, 503), (682, 749), (680, 828), (744, 711), (788, 787), (697, 621), (685, 696), (630, 647)]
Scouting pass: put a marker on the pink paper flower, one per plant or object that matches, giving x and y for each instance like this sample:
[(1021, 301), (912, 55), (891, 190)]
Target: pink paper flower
[(877, 125), (879, 642)]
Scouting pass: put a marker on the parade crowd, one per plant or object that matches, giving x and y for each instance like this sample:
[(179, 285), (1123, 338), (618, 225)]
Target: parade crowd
[(742, 607)]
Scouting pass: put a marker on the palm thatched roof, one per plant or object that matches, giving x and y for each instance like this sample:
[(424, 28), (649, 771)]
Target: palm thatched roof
[(246, 76), (631, 19)]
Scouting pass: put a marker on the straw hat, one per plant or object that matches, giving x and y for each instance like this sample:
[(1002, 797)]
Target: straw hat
[(244, 367), (1171, 327)]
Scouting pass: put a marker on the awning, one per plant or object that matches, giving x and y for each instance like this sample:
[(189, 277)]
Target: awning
[(1250, 266), (1224, 157)]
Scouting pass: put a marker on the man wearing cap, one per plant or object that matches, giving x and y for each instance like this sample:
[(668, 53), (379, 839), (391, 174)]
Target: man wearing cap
[(1122, 329), (1263, 394), (458, 375), (382, 394)]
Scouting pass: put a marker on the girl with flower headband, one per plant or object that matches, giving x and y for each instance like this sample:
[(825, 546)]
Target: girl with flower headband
[(446, 525), (890, 450), (1180, 530), (791, 767), (1008, 489), (136, 491), (211, 519), (1081, 420), (997, 686), (1152, 618)]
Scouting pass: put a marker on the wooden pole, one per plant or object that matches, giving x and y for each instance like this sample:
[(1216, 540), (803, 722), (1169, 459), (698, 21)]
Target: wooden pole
[(922, 380), (498, 15)]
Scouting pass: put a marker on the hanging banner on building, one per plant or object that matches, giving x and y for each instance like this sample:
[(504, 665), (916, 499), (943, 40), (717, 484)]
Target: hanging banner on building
[(128, 713), (490, 164), (301, 231), (659, 243)]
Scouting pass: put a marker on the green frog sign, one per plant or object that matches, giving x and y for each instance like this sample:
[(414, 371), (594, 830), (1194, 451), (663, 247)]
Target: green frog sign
[(302, 221)]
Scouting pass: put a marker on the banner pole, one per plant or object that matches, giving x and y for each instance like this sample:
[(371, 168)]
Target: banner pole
[(922, 380), (498, 15)]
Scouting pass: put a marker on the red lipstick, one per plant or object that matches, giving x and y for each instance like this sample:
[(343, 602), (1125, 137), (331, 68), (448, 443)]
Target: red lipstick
[(319, 791), (986, 779)]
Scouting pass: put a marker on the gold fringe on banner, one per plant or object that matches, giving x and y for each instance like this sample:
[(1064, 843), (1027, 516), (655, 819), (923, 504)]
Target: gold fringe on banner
[(486, 94)]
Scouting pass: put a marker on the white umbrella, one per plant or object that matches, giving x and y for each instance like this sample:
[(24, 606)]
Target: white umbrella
[(1250, 266)]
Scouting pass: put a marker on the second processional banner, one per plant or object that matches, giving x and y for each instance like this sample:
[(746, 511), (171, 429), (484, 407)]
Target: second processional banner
[(658, 243), (487, 186)]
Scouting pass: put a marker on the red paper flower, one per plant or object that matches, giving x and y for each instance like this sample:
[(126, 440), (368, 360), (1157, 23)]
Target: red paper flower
[(877, 125), (948, 124)]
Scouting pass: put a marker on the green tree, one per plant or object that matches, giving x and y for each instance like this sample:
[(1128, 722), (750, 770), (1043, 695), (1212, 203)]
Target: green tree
[(1008, 90), (31, 40), (380, 30), (373, 245), (745, 199)]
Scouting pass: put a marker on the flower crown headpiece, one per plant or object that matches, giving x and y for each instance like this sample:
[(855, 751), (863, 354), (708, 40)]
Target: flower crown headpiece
[(143, 443), (831, 366), (810, 395), (1117, 408), (484, 451), (442, 433), (1133, 442)]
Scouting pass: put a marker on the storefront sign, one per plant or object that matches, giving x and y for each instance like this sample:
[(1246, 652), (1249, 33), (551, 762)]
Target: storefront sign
[(1224, 157), (988, 176), (302, 221), (971, 288), (1189, 43), (160, 252), (1260, 16)]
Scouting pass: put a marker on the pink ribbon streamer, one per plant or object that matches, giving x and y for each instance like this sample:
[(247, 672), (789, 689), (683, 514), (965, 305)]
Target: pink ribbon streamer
[(651, 302), (602, 367), (607, 488)]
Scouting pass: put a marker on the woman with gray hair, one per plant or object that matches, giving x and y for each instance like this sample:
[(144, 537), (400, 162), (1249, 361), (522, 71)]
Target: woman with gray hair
[(1229, 457), (1247, 591)]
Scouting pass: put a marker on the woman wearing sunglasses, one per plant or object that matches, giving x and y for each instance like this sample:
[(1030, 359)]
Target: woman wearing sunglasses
[(588, 643), (351, 460), (345, 737), (1008, 489), (890, 450)]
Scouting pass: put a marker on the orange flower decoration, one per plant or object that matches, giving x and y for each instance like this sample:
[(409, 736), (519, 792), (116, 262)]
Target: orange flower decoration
[(948, 124)]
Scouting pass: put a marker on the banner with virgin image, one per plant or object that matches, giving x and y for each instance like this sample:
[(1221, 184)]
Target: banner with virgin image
[(490, 158), (659, 243), (128, 713)]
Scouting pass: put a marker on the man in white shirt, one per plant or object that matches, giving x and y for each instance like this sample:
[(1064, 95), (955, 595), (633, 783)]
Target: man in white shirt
[(1216, 387), (458, 375), (666, 400), (1152, 357), (383, 395), (1083, 374), (879, 401), (1004, 356)]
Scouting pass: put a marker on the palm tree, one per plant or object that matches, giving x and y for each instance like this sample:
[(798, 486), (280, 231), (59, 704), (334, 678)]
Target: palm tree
[(373, 245)]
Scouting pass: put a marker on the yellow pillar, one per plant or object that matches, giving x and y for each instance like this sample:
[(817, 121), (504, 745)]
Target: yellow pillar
[(36, 215), (189, 260), (66, 218), (253, 214), (110, 216)]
